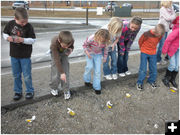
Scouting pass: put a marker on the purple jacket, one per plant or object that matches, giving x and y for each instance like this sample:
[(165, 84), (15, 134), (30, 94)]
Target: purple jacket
[(126, 36)]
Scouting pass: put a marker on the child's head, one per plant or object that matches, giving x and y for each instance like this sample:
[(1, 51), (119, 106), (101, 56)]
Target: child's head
[(102, 36), (65, 38), (166, 3), (135, 23), (21, 16), (115, 26), (159, 30)]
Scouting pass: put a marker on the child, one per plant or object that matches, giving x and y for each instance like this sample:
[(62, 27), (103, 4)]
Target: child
[(115, 28), (167, 15), (147, 44), (21, 36), (171, 47), (93, 49), (129, 32), (61, 47)]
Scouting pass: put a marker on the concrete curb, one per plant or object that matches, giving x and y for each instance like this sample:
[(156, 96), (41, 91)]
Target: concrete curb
[(73, 90)]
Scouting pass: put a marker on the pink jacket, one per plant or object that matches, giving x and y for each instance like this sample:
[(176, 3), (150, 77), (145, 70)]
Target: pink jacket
[(171, 44)]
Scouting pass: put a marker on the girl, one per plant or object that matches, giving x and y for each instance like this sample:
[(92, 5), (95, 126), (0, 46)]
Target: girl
[(167, 15), (115, 28), (93, 49), (129, 32), (171, 47)]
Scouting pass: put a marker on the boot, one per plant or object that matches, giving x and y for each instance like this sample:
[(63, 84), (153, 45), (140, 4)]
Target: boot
[(166, 78), (173, 78)]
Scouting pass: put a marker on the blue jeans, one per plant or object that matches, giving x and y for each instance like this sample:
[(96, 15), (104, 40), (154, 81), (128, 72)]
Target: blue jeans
[(113, 70), (143, 68), (122, 62), (161, 43), (19, 66), (95, 64), (174, 62)]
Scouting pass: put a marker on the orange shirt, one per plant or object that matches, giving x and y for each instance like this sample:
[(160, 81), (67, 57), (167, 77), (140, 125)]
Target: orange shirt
[(148, 43)]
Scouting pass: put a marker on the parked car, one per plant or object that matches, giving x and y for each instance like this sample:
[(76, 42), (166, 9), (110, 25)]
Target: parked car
[(17, 4), (127, 5), (108, 7), (176, 7)]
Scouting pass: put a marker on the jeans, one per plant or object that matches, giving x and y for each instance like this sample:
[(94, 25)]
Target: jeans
[(106, 69), (55, 74), (161, 43), (95, 64), (174, 62), (19, 66), (143, 68), (122, 62)]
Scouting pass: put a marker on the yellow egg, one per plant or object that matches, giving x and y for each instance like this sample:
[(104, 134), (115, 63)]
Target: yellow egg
[(72, 113), (28, 120), (109, 106), (172, 90)]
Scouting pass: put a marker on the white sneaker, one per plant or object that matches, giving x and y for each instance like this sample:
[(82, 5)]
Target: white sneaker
[(54, 92), (127, 72), (108, 77), (67, 95), (114, 76), (122, 75)]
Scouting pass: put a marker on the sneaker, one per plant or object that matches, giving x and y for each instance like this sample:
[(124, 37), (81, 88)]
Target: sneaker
[(114, 76), (88, 84), (98, 92), (54, 92), (127, 72), (67, 95), (29, 95), (153, 85), (108, 77), (122, 75), (139, 87), (17, 96)]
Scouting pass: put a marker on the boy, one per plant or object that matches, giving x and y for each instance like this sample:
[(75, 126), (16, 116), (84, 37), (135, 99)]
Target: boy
[(147, 44), (61, 47), (21, 36), (129, 32)]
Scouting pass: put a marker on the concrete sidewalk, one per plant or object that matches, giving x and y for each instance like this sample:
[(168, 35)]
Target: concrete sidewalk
[(41, 77)]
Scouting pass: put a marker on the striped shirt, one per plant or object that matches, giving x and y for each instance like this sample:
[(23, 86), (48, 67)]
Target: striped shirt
[(94, 48), (127, 36)]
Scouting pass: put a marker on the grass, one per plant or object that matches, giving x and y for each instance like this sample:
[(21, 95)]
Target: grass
[(33, 13)]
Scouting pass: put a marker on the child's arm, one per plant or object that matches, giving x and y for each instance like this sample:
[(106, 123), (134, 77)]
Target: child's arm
[(7, 37), (105, 54), (141, 40), (85, 47), (115, 43), (166, 15)]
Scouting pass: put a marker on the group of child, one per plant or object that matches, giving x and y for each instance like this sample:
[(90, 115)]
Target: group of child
[(103, 43)]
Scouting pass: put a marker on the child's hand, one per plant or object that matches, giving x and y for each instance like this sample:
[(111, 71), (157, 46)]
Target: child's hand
[(87, 53), (18, 40), (63, 77), (104, 60), (122, 53), (10, 39)]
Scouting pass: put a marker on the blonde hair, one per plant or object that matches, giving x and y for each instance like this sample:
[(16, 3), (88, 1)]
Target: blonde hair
[(160, 29), (65, 37), (166, 4), (102, 33), (115, 26)]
